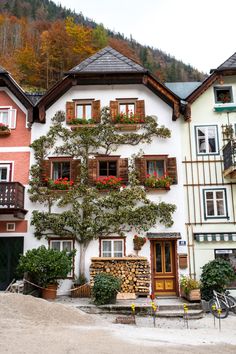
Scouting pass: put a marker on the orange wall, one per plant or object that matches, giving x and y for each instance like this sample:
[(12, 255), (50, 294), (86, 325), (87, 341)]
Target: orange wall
[(19, 136), (21, 165), (21, 226)]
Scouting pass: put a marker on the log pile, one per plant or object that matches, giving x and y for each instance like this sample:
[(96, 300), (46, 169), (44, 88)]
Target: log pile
[(134, 272)]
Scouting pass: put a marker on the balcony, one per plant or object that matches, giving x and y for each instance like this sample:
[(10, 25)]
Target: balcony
[(12, 199), (229, 156)]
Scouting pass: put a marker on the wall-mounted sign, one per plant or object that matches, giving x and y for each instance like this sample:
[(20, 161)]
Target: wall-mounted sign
[(182, 243)]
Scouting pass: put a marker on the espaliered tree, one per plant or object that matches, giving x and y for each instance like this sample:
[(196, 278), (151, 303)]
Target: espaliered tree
[(84, 212)]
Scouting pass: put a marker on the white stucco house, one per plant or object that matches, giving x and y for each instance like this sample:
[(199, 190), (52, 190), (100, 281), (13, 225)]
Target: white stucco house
[(108, 78)]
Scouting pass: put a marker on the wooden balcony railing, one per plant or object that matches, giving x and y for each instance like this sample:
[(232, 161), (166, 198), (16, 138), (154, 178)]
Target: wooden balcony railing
[(229, 156), (12, 198)]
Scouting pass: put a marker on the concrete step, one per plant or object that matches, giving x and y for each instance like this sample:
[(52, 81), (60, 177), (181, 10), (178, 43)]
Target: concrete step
[(194, 311)]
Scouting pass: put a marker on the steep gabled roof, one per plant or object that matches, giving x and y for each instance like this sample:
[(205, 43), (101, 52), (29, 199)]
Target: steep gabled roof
[(183, 89), (6, 80), (2, 70), (108, 60), (229, 64)]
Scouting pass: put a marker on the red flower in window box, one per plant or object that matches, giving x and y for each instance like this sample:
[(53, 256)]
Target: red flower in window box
[(153, 181), (4, 129), (109, 183), (59, 184)]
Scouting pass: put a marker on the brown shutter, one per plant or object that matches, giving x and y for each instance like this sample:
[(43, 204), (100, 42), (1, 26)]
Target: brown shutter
[(92, 170), (123, 170), (114, 109), (140, 164), (70, 111), (96, 111), (45, 170), (140, 109), (75, 170), (172, 169)]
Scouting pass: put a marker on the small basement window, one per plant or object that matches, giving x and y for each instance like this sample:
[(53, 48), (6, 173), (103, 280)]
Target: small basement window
[(223, 94)]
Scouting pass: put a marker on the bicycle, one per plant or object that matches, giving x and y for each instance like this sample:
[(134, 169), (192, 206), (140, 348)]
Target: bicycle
[(221, 304)]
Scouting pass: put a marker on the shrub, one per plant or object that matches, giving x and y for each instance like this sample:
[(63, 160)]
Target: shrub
[(216, 275), (45, 266), (105, 288)]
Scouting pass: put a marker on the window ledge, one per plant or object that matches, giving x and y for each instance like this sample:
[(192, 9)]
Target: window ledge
[(225, 107)]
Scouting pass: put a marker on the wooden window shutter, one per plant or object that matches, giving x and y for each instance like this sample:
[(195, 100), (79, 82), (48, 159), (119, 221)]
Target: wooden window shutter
[(12, 118), (172, 169), (140, 109), (96, 111), (92, 170), (70, 111), (75, 170), (123, 170), (114, 109), (140, 164), (45, 170)]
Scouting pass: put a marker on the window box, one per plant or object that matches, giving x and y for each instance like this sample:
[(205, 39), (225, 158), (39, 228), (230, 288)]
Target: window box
[(82, 126), (5, 132), (127, 127)]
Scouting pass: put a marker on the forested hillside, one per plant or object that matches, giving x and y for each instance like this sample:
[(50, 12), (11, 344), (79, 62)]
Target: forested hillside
[(40, 40)]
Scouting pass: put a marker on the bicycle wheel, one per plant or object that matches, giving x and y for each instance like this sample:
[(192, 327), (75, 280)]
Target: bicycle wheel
[(232, 303), (218, 308)]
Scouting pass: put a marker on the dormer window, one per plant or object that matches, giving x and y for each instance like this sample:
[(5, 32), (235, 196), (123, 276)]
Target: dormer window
[(223, 94)]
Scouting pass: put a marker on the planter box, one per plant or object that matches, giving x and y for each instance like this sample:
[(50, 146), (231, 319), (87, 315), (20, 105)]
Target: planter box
[(127, 127), (5, 132), (163, 189), (193, 295), (79, 126), (81, 291)]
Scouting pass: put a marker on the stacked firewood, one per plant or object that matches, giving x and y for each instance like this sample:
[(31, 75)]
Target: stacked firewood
[(133, 271)]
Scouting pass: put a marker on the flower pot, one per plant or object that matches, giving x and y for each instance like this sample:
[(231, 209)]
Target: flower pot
[(50, 292)]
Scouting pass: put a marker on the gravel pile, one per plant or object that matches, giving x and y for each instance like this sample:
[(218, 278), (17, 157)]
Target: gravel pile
[(24, 307)]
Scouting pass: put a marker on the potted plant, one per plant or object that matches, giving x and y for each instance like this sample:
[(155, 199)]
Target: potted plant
[(59, 183), (138, 241), (105, 289), (190, 288), (45, 267), (109, 183), (153, 181), (4, 129)]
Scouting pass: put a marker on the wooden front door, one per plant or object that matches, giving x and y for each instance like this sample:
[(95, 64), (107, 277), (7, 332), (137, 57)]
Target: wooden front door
[(164, 268)]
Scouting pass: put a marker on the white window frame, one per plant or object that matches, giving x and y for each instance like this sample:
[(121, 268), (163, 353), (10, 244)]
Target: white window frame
[(223, 87), (61, 241), (11, 123), (197, 138), (214, 191), (8, 167), (11, 226), (112, 240)]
